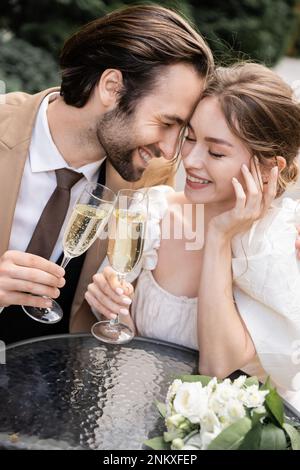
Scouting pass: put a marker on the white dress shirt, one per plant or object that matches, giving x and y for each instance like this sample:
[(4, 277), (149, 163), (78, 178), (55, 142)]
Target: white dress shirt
[(39, 182)]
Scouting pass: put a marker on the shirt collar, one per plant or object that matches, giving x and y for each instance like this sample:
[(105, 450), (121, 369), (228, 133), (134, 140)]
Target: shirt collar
[(43, 153)]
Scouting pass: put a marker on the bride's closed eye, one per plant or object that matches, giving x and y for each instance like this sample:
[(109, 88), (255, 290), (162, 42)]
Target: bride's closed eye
[(216, 155)]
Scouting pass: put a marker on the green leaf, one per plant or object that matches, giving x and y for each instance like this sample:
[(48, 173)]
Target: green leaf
[(251, 381), (272, 438), (161, 408), (232, 437), (264, 437), (294, 436), (274, 403), (256, 417), (157, 443), (267, 385), (252, 438), (204, 379), (169, 436)]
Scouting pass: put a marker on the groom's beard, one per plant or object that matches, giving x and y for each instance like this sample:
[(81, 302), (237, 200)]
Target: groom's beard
[(114, 132)]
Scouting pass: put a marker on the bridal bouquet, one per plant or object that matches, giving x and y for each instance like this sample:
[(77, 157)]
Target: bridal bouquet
[(203, 413)]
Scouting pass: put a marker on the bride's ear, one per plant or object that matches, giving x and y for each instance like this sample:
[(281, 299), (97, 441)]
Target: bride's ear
[(268, 164), (281, 163)]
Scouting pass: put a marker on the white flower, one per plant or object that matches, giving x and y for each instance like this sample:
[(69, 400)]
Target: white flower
[(225, 391), (259, 410), (207, 437), (222, 394), (210, 422), (235, 410), (177, 444), (173, 389), (174, 421), (171, 394), (191, 401), (252, 397), (240, 381)]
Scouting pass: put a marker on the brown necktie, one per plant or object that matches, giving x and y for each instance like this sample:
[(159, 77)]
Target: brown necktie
[(48, 227)]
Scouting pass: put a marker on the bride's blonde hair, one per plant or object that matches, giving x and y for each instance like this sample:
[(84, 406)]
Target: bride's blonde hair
[(260, 109)]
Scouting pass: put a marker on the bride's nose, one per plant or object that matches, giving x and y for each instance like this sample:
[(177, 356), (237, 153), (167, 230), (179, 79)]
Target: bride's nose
[(194, 159)]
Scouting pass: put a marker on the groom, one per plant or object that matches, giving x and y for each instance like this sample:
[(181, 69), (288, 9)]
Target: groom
[(130, 81)]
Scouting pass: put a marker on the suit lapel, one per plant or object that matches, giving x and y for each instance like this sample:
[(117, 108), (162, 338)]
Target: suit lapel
[(11, 171), (16, 120)]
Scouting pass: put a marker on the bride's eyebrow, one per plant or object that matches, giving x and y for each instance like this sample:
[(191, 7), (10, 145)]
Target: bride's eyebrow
[(218, 141)]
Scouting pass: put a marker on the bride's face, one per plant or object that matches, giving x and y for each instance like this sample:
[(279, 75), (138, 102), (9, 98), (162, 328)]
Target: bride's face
[(212, 156)]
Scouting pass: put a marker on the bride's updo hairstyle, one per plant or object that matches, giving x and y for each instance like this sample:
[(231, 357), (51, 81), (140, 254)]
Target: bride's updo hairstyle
[(260, 109)]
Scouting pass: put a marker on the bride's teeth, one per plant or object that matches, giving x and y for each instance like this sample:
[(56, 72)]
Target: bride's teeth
[(197, 180)]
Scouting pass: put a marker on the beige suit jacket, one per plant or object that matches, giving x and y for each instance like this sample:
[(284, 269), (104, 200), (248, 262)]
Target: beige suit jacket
[(17, 117)]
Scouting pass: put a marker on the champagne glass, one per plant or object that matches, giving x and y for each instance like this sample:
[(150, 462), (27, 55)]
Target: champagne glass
[(88, 219), (125, 247)]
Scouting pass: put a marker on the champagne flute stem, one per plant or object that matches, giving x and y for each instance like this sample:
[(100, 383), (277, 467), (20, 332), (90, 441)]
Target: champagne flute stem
[(65, 261), (121, 278)]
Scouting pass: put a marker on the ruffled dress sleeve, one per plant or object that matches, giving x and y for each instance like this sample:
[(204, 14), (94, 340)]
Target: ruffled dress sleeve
[(158, 207), (266, 276)]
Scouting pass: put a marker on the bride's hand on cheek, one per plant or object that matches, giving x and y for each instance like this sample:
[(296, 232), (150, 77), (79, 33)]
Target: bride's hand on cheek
[(250, 205)]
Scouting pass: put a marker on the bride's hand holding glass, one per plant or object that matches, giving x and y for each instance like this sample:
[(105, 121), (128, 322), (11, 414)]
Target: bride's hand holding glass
[(109, 297), (127, 228)]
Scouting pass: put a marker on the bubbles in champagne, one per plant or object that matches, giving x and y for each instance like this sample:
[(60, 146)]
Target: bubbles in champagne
[(85, 224), (126, 240)]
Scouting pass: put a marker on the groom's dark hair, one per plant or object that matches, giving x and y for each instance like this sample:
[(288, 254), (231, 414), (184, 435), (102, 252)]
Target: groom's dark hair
[(139, 41)]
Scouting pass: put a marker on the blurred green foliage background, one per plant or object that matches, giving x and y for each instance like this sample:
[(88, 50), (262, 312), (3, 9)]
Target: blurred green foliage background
[(32, 32)]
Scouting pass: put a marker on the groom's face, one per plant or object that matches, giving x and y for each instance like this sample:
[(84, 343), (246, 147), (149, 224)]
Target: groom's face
[(152, 130)]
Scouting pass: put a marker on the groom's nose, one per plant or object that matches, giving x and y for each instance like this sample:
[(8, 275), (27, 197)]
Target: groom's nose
[(169, 146)]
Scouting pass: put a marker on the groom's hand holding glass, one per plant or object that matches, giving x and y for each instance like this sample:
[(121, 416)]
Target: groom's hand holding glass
[(25, 277)]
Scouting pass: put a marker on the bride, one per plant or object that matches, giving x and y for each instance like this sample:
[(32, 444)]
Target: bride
[(236, 299)]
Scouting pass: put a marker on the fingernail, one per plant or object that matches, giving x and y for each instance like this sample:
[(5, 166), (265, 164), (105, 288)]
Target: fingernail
[(119, 291), (124, 311), (244, 167), (127, 300), (113, 316), (234, 180), (48, 304)]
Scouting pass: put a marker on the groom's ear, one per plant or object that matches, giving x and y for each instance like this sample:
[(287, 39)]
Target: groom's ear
[(109, 87)]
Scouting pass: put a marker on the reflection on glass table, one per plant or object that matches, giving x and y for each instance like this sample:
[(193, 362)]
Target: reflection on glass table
[(74, 392)]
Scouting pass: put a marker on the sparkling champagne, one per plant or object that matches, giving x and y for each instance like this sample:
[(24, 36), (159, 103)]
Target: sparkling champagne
[(84, 225), (126, 240)]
